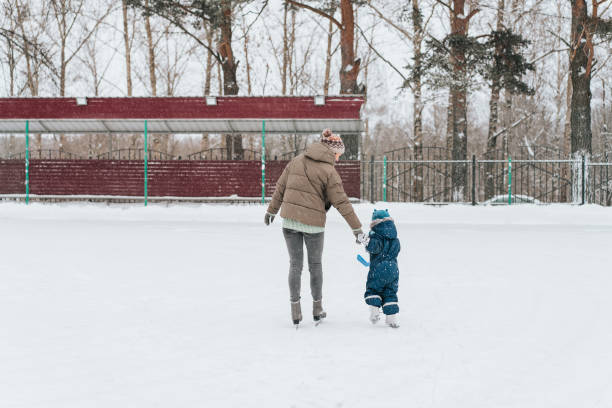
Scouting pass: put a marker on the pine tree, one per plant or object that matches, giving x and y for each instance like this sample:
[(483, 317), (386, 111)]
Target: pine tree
[(504, 70)]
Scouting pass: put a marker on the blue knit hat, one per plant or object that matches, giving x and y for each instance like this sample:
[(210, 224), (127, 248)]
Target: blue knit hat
[(380, 214)]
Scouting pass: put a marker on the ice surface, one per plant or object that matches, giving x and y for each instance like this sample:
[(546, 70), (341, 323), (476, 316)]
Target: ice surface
[(188, 306)]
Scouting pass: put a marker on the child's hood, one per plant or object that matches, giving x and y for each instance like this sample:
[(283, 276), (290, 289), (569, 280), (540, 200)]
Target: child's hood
[(384, 227)]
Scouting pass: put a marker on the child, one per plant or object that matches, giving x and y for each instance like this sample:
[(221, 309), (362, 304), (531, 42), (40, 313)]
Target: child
[(381, 287)]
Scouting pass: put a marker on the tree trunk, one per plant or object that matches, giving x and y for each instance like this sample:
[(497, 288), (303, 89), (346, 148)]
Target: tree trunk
[(508, 120), (291, 55), (580, 119), (567, 144), (492, 141), (328, 57), (246, 58), (349, 69), (458, 103), (26, 51), (417, 41), (128, 51), (62, 84), (151, 49), (209, 61), (233, 143), (449, 147), (205, 143), (285, 51), (493, 113)]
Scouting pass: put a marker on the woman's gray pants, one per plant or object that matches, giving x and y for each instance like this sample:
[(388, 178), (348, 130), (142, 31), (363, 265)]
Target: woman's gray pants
[(314, 246)]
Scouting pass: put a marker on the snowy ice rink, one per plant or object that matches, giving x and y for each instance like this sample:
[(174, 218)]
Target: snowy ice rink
[(187, 306)]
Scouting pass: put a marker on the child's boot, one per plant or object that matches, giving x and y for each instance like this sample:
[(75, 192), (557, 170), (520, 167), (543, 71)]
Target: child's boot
[(374, 314), (392, 320), (296, 313), (317, 311)]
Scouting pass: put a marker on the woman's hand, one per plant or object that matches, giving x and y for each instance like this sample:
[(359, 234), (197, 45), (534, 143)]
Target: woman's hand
[(268, 218), (358, 234)]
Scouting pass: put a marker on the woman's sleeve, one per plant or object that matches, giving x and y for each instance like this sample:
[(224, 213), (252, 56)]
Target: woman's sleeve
[(336, 195), (279, 192)]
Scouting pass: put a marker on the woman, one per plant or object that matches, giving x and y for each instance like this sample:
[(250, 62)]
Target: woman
[(308, 187)]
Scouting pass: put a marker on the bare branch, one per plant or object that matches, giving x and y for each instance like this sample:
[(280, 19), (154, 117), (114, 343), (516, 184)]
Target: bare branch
[(317, 11), (512, 126), (180, 25), (445, 5), (255, 20), (388, 21), (472, 13), (541, 57), (406, 80)]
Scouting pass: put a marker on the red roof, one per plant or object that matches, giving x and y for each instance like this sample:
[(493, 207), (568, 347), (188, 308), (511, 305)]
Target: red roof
[(228, 107), (283, 114)]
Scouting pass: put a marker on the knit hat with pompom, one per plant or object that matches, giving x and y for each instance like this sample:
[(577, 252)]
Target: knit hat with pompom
[(332, 141)]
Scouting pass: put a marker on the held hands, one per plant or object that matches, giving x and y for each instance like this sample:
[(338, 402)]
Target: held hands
[(268, 218), (360, 237), (363, 239)]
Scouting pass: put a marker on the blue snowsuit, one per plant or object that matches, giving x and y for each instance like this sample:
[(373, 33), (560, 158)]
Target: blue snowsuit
[(381, 287)]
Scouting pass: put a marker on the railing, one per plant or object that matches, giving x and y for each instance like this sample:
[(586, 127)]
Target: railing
[(599, 183), (490, 181), (221, 153), (47, 154), (135, 154)]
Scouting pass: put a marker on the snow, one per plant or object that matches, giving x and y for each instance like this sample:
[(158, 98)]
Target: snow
[(187, 306)]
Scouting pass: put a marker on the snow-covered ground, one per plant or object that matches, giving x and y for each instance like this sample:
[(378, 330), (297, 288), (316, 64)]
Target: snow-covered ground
[(187, 306)]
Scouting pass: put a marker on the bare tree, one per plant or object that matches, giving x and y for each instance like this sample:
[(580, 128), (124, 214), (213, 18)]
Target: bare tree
[(68, 15), (350, 65)]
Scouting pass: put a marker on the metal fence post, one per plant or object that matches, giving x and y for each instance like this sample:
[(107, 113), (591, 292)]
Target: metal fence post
[(509, 180), (384, 178), (146, 162), (372, 179), (27, 161), (473, 179), (583, 179), (263, 161)]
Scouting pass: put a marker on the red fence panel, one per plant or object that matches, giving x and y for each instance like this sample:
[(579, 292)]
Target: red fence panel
[(204, 178), (87, 177), (12, 176), (173, 178)]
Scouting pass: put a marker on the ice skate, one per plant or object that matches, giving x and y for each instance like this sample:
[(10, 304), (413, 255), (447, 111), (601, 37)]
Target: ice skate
[(392, 320), (296, 313), (317, 311), (374, 314)]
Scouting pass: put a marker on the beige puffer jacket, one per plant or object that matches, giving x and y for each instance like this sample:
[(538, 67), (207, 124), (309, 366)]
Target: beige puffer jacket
[(307, 183)]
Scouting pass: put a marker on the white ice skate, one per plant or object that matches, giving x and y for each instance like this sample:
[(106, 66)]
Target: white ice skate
[(374, 314), (318, 314), (392, 320)]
